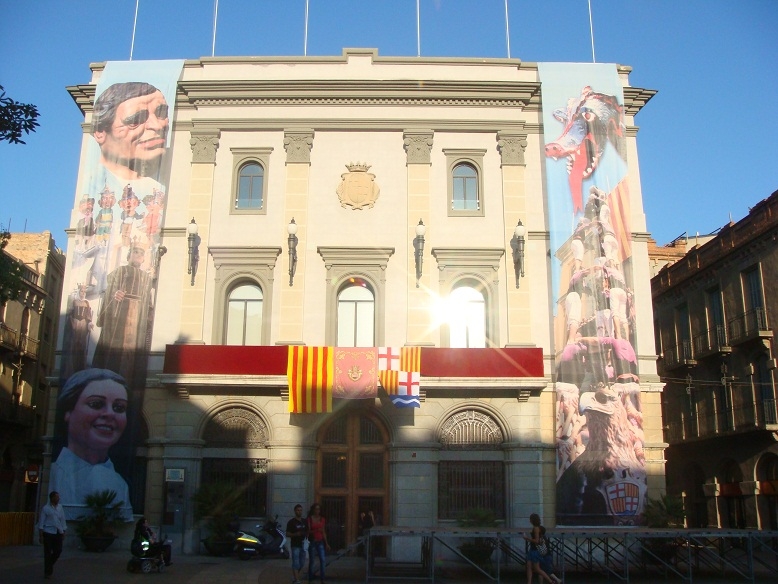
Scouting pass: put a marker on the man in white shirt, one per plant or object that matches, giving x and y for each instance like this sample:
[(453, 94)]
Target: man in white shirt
[(51, 530)]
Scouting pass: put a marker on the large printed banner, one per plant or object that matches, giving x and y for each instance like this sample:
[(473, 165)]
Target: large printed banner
[(601, 475), (111, 282)]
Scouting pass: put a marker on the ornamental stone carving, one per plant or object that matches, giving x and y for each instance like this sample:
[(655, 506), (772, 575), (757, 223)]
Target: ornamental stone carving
[(235, 428), (358, 188), (298, 146), (418, 146), (512, 147), (204, 146)]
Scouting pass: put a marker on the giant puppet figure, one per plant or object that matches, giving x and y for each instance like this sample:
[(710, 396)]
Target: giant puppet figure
[(601, 475), (112, 271)]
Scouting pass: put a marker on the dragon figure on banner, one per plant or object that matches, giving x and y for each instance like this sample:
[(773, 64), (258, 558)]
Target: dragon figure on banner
[(601, 474), (111, 277)]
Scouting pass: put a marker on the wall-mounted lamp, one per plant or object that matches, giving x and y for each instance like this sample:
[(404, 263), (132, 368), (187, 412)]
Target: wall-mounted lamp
[(292, 230), (194, 251), (517, 245), (418, 249)]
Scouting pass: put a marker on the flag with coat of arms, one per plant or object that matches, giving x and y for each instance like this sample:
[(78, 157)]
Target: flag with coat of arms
[(399, 372)]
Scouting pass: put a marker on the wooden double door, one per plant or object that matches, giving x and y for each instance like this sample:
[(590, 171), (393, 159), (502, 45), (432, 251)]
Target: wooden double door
[(352, 474)]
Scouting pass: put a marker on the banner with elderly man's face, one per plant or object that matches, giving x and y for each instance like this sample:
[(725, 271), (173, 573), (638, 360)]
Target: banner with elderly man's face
[(111, 275)]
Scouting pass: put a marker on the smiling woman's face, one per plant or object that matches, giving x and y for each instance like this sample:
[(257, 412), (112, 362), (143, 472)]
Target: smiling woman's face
[(97, 421)]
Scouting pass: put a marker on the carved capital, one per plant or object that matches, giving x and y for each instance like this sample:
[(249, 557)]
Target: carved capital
[(418, 146), (511, 147), (298, 145), (204, 146)]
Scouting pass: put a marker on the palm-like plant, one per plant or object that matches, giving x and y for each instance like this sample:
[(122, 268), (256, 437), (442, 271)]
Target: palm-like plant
[(103, 515)]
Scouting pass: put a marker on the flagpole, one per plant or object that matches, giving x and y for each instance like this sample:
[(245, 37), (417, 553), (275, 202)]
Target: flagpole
[(591, 29), (215, 16), (305, 39), (418, 31), (507, 30), (134, 25)]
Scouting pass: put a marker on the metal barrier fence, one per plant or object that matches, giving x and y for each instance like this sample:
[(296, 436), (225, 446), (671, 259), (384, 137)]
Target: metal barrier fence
[(618, 554)]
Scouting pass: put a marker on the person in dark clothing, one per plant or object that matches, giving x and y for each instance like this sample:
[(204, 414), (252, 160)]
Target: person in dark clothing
[(296, 531), (144, 534)]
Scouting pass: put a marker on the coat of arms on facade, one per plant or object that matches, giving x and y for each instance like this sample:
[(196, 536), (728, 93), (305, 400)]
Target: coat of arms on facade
[(358, 188)]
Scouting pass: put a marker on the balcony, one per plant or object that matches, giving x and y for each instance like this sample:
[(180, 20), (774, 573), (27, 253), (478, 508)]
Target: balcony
[(749, 326), (9, 338), (29, 347), (17, 414), (712, 342), (679, 356)]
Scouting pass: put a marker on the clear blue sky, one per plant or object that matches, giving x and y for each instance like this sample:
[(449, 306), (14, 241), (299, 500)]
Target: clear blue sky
[(708, 142)]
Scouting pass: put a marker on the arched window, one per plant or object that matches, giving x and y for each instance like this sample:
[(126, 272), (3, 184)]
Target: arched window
[(468, 482), (465, 182), (250, 187), (244, 316), (467, 318), (356, 314)]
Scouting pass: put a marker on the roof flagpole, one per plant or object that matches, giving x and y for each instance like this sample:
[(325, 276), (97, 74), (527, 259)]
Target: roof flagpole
[(215, 16), (134, 25), (305, 38), (591, 30), (507, 31), (418, 31)]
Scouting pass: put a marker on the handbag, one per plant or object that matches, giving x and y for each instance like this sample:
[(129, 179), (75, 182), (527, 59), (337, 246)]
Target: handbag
[(542, 547)]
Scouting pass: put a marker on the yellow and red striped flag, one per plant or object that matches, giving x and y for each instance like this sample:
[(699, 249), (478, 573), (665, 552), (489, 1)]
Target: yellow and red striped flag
[(310, 372)]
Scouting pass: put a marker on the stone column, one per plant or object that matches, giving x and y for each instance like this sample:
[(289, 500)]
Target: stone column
[(298, 145), (512, 146), (418, 147), (204, 144)]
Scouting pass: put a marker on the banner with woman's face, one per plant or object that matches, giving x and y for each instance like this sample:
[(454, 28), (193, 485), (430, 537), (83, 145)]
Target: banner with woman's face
[(111, 275)]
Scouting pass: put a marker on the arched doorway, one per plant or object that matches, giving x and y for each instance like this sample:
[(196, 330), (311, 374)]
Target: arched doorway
[(352, 473)]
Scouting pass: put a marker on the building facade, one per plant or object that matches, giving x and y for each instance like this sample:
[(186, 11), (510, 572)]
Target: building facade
[(28, 328), (713, 310), (295, 210)]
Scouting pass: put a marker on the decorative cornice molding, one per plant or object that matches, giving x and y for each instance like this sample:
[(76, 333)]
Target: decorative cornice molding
[(418, 146), (354, 257)]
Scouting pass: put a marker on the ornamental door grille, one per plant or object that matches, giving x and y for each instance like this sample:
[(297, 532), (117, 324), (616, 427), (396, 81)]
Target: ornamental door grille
[(352, 474)]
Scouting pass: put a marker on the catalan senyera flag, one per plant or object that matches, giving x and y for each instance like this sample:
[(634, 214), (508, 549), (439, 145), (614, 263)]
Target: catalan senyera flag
[(399, 374), (356, 373), (310, 371)]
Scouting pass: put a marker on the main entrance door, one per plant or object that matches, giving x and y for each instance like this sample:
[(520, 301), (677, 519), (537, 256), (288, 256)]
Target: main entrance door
[(352, 474)]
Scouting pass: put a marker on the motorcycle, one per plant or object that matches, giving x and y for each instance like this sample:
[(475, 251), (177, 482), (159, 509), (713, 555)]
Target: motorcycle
[(269, 543)]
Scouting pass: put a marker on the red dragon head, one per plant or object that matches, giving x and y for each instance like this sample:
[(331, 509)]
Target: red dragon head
[(590, 121)]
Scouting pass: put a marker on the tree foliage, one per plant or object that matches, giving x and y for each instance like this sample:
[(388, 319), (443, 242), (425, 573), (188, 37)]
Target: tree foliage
[(11, 271), (16, 119)]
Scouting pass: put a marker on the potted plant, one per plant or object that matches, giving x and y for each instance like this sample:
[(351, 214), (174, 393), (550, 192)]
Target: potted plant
[(662, 513), (217, 505), (480, 549), (97, 529)]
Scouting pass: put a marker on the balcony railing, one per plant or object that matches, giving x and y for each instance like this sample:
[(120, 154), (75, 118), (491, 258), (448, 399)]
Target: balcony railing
[(20, 414), (737, 419), (712, 341), (9, 337), (679, 356), (29, 347), (749, 325)]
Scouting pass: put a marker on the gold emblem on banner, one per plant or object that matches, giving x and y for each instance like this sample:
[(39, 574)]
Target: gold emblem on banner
[(358, 188)]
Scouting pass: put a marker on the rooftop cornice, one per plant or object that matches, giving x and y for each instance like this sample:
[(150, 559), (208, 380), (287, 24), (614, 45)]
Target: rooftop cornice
[(635, 98)]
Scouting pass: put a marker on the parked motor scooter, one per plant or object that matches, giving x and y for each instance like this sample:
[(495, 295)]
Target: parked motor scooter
[(269, 543)]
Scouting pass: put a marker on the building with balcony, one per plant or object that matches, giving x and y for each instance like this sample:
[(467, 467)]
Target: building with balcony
[(347, 281), (28, 326), (713, 311)]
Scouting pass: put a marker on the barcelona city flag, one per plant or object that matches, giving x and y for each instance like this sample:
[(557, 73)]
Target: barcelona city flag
[(310, 371), (399, 373)]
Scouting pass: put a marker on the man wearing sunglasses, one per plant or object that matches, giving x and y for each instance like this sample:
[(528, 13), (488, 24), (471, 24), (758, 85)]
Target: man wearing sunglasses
[(130, 123)]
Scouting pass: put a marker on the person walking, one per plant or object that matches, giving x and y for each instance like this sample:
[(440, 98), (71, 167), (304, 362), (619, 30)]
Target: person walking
[(533, 554), (51, 532), (318, 537), (297, 531)]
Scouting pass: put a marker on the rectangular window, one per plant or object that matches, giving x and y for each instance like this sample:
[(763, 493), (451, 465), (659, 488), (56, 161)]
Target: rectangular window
[(464, 485), (242, 474), (752, 289), (333, 470)]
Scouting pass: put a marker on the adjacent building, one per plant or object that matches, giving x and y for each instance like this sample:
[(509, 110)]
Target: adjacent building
[(399, 285), (28, 328), (714, 309)]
